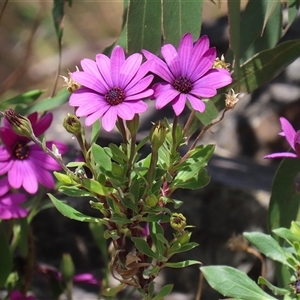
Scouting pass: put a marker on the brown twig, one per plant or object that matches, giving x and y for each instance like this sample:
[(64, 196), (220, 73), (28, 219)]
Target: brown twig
[(3, 9)]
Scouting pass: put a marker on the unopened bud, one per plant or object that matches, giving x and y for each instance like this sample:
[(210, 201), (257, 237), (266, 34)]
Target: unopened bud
[(67, 267), (133, 125), (231, 99), (19, 124), (178, 221), (157, 135), (151, 200), (221, 64), (72, 124)]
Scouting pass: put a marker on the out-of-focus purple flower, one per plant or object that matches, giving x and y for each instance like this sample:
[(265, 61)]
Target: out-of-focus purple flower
[(111, 88), (25, 163), (17, 295), (10, 202), (86, 278), (292, 137), (188, 74)]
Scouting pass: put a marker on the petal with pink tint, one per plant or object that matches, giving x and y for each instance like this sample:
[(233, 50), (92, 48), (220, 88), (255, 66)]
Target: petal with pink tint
[(109, 119), (289, 131)]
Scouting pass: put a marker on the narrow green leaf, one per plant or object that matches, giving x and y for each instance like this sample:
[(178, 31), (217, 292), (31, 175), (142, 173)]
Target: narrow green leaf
[(63, 178), (268, 246), (180, 17), (73, 191), (72, 213), (94, 186), (143, 247), (178, 248), (48, 103), (234, 13), (182, 264), (286, 234), (22, 100), (233, 283), (144, 26), (275, 290), (97, 230), (266, 65), (95, 132), (110, 292), (164, 291)]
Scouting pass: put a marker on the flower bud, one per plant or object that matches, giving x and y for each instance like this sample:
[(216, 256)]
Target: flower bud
[(19, 124), (133, 125), (158, 134), (178, 221), (151, 200), (72, 124), (67, 267)]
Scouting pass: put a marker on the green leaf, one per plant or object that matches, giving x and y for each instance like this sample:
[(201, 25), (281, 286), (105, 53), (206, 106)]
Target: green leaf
[(110, 292), (266, 65), (188, 18), (97, 230), (268, 246), (182, 264), (164, 291), (118, 155), (48, 103), (22, 100), (95, 132), (178, 248), (72, 213), (74, 191), (275, 290), (63, 178), (100, 158), (209, 114), (233, 283), (144, 26), (286, 234), (143, 247), (157, 236), (234, 13), (6, 264), (94, 186), (271, 29)]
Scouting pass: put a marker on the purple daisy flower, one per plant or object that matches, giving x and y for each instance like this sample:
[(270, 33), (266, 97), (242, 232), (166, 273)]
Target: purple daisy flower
[(111, 88), (9, 202), (188, 74), (25, 163), (292, 137)]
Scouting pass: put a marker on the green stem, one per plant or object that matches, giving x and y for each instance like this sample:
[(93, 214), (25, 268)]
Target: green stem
[(151, 172), (188, 123), (122, 130)]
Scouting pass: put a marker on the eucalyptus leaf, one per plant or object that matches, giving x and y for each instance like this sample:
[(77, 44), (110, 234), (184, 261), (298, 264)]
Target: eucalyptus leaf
[(233, 283)]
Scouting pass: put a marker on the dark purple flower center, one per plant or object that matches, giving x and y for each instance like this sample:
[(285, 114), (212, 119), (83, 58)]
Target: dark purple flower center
[(21, 151), (115, 96), (183, 84)]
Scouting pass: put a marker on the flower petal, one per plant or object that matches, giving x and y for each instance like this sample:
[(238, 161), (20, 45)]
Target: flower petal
[(139, 87), (164, 94), (281, 155), (129, 69), (90, 81), (196, 103), (289, 131), (172, 59), (109, 119), (184, 51), (4, 186), (179, 104), (42, 124), (117, 60), (103, 63), (90, 66)]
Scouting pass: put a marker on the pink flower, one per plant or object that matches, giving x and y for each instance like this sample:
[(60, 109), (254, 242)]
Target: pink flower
[(188, 74), (111, 88), (17, 295), (25, 163), (292, 137), (9, 202), (86, 278)]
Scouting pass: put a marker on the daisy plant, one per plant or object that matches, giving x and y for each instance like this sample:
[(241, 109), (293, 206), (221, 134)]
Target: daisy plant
[(132, 194)]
